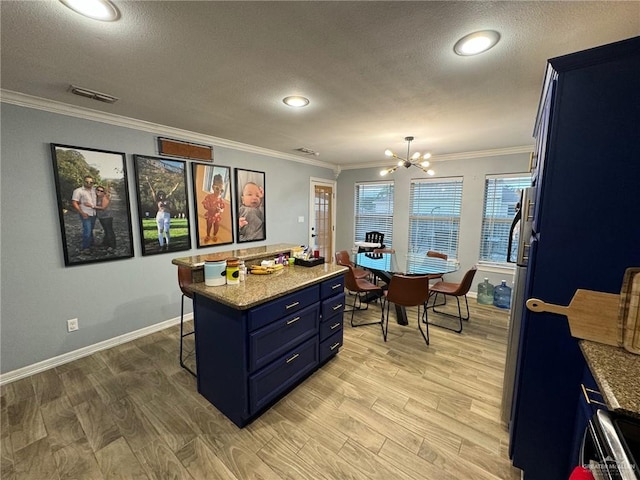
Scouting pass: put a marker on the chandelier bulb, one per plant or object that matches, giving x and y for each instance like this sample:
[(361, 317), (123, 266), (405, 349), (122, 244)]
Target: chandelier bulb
[(415, 156), (426, 156), (383, 172), (425, 163), (430, 172), (388, 153)]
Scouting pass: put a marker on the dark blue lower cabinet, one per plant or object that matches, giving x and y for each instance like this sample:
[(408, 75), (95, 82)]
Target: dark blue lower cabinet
[(248, 359)]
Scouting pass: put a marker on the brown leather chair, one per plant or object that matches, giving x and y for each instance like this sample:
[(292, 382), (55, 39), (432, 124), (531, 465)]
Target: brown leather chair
[(383, 250), (407, 291), (342, 258), (185, 279), (434, 254), (456, 290), (360, 287)]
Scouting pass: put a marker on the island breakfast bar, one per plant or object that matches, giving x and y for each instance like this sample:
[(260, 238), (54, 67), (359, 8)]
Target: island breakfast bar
[(257, 340)]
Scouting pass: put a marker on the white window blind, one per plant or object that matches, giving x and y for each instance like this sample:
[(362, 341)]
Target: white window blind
[(434, 216), (501, 194), (374, 210)]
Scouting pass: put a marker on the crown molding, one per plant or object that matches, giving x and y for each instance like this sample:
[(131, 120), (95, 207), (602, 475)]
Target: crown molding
[(496, 152), (39, 103)]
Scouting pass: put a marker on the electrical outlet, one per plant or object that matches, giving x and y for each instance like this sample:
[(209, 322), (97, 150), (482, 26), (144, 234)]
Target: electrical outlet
[(72, 325)]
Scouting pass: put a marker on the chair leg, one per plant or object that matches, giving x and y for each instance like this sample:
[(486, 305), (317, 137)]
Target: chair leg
[(459, 316), (357, 305), (425, 334), (384, 319), (182, 335)]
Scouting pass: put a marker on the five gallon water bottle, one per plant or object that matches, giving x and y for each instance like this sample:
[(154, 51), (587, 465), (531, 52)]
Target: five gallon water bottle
[(485, 292), (502, 295)]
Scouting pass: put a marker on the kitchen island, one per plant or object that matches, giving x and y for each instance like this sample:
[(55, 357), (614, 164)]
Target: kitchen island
[(257, 340)]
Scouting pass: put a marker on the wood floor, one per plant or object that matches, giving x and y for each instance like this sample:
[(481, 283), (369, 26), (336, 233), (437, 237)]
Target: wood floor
[(394, 410)]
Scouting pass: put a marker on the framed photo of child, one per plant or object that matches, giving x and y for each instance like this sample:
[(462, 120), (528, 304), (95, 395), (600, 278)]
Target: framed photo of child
[(92, 203), (163, 210), (251, 221), (212, 198)]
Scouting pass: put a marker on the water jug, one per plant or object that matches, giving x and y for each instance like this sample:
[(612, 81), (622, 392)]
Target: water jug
[(485, 293), (214, 273), (502, 295)]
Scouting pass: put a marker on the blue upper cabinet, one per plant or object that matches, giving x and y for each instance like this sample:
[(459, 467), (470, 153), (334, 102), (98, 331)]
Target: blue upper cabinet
[(586, 233)]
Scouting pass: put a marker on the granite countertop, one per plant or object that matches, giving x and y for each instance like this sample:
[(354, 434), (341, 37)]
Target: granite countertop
[(257, 289), (617, 373), (197, 261)]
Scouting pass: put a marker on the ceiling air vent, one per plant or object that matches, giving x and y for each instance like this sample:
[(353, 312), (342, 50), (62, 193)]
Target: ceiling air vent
[(308, 151), (85, 92)]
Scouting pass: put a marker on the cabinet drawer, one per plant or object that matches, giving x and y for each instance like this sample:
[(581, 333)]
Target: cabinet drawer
[(333, 306), (265, 314), (276, 338), (332, 286), (330, 346), (283, 373), (330, 327)]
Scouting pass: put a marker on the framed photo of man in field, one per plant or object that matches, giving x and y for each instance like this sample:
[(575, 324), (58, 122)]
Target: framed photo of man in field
[(93, 204), (163, 210)]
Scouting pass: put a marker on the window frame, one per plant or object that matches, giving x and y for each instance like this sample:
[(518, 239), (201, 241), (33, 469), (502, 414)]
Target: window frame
[(371, 222)]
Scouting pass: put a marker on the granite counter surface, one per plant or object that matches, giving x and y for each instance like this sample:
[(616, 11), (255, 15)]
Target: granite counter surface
[(257, 289), (197, 261), (617, 373)]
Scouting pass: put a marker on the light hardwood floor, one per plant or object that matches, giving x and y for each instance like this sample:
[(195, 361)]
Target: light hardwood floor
[(394, 410)]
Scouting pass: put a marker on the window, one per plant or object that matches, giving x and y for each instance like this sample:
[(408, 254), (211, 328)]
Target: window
[(501, 194), (374, 210), (434, 216)]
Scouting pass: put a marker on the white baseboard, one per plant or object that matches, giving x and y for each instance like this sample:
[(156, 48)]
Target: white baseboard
[(85, 351)]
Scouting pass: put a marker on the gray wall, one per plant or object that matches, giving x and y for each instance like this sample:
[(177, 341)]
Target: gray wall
[(473, 172), (38, 294)]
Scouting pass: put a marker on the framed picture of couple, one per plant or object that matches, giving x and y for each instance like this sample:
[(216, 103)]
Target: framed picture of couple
[(251, 223), (92, 203)]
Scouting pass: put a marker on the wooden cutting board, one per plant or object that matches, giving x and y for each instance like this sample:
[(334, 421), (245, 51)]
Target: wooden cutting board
[(592, 315), (630, 309)]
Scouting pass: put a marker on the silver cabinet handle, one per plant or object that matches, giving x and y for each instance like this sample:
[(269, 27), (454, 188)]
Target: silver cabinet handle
[(335, 326), (293, 358), (293, 320), (337, 307), (333, 347), (586, 391), (292, 305), (337, 285)]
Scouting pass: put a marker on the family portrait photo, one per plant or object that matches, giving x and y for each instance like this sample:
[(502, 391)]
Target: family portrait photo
[(163, 212), (93, 204), (212, 198), (250, 205)]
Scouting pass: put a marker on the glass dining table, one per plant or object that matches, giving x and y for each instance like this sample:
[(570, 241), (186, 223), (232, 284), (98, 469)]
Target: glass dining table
[(385, 265)]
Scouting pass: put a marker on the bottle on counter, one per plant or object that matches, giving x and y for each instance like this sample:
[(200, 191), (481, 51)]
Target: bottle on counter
[(242, 271), (233, 271), (485, 292), (502, 295)]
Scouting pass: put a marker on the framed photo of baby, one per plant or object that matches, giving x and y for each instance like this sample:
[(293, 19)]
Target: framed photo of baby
[(212, 198), (92, 203), (163, 211), (251, 221)]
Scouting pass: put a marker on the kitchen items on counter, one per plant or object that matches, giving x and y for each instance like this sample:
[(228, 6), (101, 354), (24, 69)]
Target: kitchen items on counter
[(603, 317), (215, 273)]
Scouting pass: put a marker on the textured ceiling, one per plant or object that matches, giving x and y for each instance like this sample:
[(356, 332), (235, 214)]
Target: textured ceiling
[(375, 72)]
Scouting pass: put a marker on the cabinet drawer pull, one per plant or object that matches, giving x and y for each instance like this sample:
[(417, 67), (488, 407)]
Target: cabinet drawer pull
[(293, 358), (586, 391), (292, 305), (293, 320), (333, 347), (337, 307), (337, 285), (335, 326)]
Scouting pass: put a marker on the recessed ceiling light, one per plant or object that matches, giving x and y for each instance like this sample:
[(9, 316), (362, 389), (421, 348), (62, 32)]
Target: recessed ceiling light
[(102, 10), (296, 101), (476, 42)]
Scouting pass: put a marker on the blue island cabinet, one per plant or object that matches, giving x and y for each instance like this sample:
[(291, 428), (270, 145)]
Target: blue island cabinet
[(248, 359)]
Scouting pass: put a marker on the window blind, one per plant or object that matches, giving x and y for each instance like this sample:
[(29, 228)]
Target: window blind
[(434, 216), (374, 210), (501, 194)]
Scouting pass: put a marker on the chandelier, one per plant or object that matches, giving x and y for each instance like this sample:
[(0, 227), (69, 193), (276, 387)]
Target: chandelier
[(417, 160)]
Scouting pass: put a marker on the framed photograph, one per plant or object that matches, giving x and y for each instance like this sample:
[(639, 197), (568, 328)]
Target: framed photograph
[(93, 204), (251, 222), (212, 198), (163, 211)]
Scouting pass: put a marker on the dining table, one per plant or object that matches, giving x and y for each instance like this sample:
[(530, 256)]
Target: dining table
[(385, 265)]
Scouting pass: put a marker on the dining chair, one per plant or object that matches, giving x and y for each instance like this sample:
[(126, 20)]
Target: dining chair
[(185, 279), (456, 290), (407, 291), (343, 258), (383, 250), (434, 254), (360, 287), (372, 237)]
